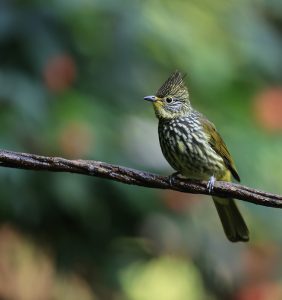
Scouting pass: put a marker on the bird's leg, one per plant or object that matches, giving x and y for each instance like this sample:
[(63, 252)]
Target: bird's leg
[(172, 177), (210, 184)]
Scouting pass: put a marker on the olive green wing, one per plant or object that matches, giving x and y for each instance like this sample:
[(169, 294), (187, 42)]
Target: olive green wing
[(218, 145)]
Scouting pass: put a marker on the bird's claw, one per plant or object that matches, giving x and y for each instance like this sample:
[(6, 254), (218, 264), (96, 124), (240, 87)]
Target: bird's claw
[(172, 178), (211, 183)]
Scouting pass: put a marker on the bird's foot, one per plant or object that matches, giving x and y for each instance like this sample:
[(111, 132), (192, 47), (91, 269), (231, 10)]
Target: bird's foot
[(172, 178), (211, 183)]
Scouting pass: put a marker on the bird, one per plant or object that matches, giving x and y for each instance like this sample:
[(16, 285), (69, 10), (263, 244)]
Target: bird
[(193, 147)]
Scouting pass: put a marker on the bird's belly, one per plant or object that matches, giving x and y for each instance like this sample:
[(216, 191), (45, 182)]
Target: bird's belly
[(190, 154)]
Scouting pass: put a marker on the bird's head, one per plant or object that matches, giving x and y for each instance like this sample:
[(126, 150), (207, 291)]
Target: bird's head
[(172, 99)]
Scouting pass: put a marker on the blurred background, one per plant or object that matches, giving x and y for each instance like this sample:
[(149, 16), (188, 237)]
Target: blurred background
[(73, 74)]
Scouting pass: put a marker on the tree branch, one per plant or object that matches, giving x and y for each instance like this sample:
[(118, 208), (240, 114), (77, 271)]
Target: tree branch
[(135, 177)]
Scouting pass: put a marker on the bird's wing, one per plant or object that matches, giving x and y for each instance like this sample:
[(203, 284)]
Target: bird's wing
[(218, 145)]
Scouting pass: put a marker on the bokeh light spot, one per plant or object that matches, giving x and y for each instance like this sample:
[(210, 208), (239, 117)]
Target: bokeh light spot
[(59, 72), (268, 108)]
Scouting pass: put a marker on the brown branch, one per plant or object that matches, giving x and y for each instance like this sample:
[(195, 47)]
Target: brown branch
[(129, 176)]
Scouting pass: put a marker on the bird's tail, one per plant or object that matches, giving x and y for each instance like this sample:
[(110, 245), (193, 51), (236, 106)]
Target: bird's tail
[(232, 221)]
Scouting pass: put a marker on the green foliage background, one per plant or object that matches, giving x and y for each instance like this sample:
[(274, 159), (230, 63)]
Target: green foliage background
[(72, 78)]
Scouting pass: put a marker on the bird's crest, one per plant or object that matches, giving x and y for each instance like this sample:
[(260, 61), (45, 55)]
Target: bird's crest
[(174, 86)]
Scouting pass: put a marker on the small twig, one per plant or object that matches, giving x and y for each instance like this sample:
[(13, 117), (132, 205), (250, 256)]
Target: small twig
[(135, 177)]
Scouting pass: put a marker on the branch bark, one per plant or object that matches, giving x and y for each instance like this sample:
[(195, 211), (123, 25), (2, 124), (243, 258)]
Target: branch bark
[(121, 174)]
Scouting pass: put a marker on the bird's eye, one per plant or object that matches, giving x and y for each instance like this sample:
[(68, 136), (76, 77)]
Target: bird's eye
[(168, 99)]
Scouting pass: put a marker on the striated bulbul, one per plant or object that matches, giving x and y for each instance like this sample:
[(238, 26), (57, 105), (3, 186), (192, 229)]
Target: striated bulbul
[(194, 148)]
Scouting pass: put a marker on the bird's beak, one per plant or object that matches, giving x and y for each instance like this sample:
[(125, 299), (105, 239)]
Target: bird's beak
[(151, 98)]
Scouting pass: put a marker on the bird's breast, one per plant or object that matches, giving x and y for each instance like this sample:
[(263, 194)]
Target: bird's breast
[(185, 146)]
